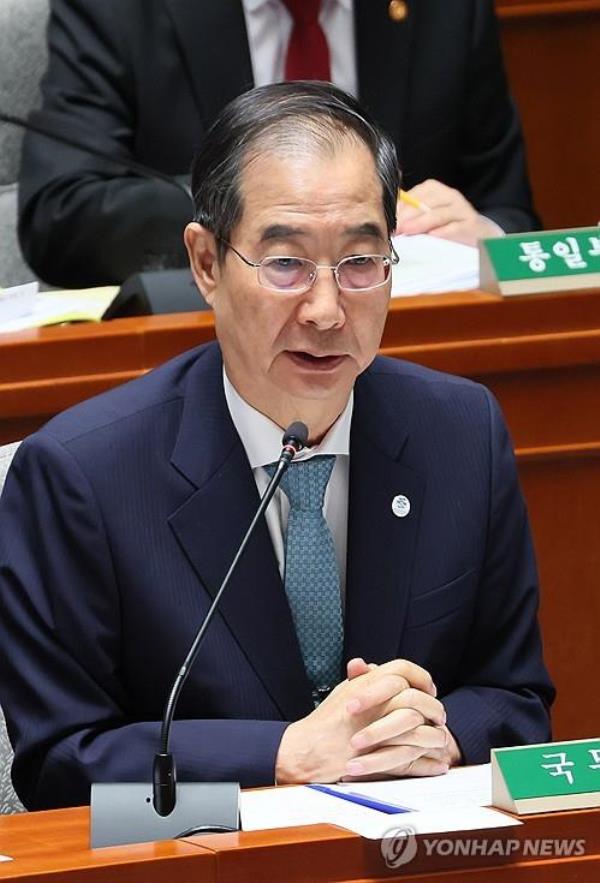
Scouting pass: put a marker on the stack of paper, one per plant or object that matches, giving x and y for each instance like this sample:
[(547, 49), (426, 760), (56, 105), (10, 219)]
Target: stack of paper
[(24, 306), (454, 802), (429, 264)]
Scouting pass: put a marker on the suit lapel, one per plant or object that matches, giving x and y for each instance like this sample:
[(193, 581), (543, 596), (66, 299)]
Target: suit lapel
[(209, 527), (214, 45), (383, 55), (381, 545)]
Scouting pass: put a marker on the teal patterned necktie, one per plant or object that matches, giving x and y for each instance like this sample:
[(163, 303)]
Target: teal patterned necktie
[(312, 581)]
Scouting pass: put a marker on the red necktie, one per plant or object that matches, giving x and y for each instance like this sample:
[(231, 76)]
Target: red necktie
[(308, 53)]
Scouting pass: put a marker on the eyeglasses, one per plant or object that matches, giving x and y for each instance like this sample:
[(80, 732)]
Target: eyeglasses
[(359, 272)]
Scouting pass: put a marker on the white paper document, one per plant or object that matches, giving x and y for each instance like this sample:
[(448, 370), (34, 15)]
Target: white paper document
[(461, 786), (454, 802), (25, 307), (17, 302), (429, 264)]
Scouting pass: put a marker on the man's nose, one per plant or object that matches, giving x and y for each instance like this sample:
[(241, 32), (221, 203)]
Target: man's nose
[(321, 306)]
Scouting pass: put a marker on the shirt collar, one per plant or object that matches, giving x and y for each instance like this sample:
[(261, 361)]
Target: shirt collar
[(261, 437), (254, 5)]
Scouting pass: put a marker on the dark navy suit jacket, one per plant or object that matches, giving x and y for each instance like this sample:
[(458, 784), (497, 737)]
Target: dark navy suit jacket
[(119, 520)]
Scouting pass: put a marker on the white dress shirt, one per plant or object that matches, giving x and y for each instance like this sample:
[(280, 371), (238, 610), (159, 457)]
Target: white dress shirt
[(269, 26), (261, 439)]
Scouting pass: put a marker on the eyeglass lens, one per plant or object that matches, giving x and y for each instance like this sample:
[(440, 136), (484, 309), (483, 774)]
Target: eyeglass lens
[(291, 274)]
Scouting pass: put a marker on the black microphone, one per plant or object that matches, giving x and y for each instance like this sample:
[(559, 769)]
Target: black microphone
[(294, 439), (82, 144), (164, 779), (125, 813)]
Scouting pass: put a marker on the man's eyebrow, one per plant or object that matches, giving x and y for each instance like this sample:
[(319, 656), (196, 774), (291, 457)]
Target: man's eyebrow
[(366, 229), (280, 231), (284, 231)]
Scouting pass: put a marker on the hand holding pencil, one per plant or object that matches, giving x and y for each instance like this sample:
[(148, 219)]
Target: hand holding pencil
[(433, 207)]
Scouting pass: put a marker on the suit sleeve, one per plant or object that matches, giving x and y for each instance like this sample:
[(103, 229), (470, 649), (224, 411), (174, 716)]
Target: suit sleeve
[(491, 149), (67, 707), (83, 221), (505, 691)]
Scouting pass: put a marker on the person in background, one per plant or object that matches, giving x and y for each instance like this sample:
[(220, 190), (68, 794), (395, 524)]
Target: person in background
[(144, 79), (383, 618)]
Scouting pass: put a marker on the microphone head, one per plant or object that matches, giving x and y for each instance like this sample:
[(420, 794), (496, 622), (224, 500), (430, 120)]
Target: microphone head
[(296, 436)]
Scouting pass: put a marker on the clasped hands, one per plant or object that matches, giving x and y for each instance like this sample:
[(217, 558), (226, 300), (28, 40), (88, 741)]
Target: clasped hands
[(383, 721)]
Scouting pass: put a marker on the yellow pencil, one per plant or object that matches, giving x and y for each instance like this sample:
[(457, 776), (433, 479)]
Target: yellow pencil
[(405, 197)]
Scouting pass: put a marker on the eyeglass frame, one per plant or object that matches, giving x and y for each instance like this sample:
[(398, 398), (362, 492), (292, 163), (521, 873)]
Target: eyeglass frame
[(392, 260)]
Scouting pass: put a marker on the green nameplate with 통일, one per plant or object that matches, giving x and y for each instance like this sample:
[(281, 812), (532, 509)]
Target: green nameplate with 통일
[(546, 777), (547, 260)]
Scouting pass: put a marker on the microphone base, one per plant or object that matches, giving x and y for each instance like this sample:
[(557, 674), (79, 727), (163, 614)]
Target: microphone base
[(123, 812)]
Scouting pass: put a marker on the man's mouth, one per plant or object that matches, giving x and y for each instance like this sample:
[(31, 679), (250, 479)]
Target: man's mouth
[(314, 362)]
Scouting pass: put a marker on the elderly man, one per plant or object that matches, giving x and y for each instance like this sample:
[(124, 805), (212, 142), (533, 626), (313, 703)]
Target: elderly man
[(383, 619)]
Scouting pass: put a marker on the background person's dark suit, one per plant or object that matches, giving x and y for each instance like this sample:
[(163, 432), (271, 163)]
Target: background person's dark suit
[(145, 78), (120, 518)]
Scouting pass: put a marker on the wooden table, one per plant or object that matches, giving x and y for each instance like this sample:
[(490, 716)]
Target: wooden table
[(540, 356), (44, 371), (53, 846)]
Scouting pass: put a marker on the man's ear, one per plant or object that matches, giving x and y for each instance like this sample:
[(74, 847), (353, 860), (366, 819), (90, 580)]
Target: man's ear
[(202, 252)]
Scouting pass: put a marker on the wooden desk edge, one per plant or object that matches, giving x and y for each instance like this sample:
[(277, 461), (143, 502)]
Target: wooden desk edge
[(56, 842)]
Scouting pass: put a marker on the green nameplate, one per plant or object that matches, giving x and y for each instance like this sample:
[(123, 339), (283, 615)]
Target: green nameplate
[(548, 260), (550, 776)]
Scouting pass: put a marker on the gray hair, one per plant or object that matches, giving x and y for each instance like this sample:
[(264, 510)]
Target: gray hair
[(281, 115)]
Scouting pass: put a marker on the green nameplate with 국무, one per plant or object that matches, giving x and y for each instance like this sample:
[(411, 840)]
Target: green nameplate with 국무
[(546, 777), (547, 260)]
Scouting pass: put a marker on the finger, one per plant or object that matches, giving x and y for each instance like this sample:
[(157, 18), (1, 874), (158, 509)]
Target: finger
[(422, 766), (356, 667), (408, 199), (376, 688), (427, 766), (455, 231), (429, 221), (422, 736), (424, 223), (431, 708), (393, 723), (399, 759), (435, 194), (451, 753), (409, 709), (438, 754), (417, 676), (380, 769), (415, 225), (388, 728), (382, 760), (387, 680), (406, 213)]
